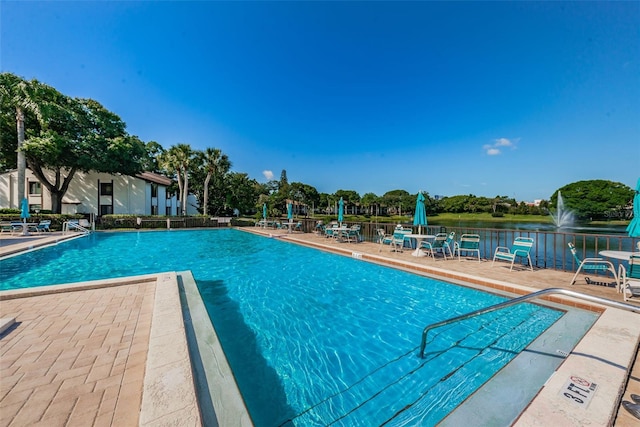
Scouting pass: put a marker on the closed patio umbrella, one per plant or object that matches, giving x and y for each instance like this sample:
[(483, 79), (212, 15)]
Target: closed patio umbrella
[(341, 211), (264, 214), (24, 210), (634, 226), (24, 214), (290, 211), (420, 216)]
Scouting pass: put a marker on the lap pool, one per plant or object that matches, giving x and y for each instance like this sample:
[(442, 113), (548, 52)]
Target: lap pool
[(315, 338)]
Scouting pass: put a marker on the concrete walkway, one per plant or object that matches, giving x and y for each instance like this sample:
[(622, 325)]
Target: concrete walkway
[(114, 352)]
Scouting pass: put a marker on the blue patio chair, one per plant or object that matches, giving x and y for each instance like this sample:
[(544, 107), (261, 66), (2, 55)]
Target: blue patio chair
[(442, 243), (591, 265), (43, 226), (353, 233), (469, 243), (520, 248), (398, 240), (331, 232)]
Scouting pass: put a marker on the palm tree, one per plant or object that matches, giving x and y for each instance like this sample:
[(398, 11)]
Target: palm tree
[(177, 160), (20, 95), (216, 165)]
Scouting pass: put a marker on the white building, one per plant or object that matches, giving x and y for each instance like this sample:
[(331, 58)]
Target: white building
[(99, 194)]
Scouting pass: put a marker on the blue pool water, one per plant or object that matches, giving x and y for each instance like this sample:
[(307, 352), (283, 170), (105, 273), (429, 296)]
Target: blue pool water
[(313, 338)]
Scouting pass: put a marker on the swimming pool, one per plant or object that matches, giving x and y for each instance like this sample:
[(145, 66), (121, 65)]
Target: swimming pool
[(313, 338)]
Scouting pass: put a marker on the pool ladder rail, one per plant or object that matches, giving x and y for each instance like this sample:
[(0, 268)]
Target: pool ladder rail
[(68, 226), (597, 300)]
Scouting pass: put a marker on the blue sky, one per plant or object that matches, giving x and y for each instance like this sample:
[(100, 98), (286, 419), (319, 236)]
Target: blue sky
[(495, 98)]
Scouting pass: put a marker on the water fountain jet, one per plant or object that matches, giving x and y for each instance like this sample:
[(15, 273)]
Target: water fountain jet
[(562, 217)]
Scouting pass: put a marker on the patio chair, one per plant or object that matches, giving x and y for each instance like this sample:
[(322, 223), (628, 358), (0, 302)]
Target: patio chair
[(469, 243), (593, 265), (520, 248), (331, 232), (630, 281), (397, 241), (43, 226), (383, 238), (17, 227), (442, 243), (437, 242), (352, 233)]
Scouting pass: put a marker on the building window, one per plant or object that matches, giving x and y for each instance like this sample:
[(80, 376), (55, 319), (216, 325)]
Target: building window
[(154, 190), (35, 188), (106, 189), (168, 210), (106, 209)]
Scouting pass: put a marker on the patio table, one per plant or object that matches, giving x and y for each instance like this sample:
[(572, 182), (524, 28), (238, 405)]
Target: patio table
[(623, 255), (419, 239)]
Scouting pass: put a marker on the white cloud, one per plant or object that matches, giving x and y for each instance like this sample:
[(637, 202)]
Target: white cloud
[(494, 149), (503, 142), (268, 174)]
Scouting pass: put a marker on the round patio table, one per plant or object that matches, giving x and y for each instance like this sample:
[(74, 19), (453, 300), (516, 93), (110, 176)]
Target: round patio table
[(419, 238), (623, 255)]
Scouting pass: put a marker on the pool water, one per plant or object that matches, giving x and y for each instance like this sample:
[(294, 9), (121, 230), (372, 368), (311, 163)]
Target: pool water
[(313, 338)]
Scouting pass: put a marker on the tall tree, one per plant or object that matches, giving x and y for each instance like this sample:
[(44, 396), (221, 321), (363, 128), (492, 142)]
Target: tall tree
[(242, 192), (177, 161), (369, 200), (215, 165), (154, 154), (595, 199), (284, 182), (79, 135), (21, 96)]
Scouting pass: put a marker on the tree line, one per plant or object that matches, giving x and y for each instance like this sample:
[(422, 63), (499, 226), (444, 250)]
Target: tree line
[(46, 130)]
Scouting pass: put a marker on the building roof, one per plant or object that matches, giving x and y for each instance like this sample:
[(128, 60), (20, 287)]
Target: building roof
[(155, 178)]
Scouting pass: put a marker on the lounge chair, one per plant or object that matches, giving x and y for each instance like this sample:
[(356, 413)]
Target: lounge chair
[(17, 227), (630, 281), (591, 265), (43, 226), (469, 243), (520, 248)]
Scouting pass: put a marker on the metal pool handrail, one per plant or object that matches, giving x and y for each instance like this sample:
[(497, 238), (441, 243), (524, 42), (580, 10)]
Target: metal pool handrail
[(598, 300)]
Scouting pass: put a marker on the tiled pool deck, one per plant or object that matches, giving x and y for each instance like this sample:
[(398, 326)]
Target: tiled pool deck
[(115, 352)]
